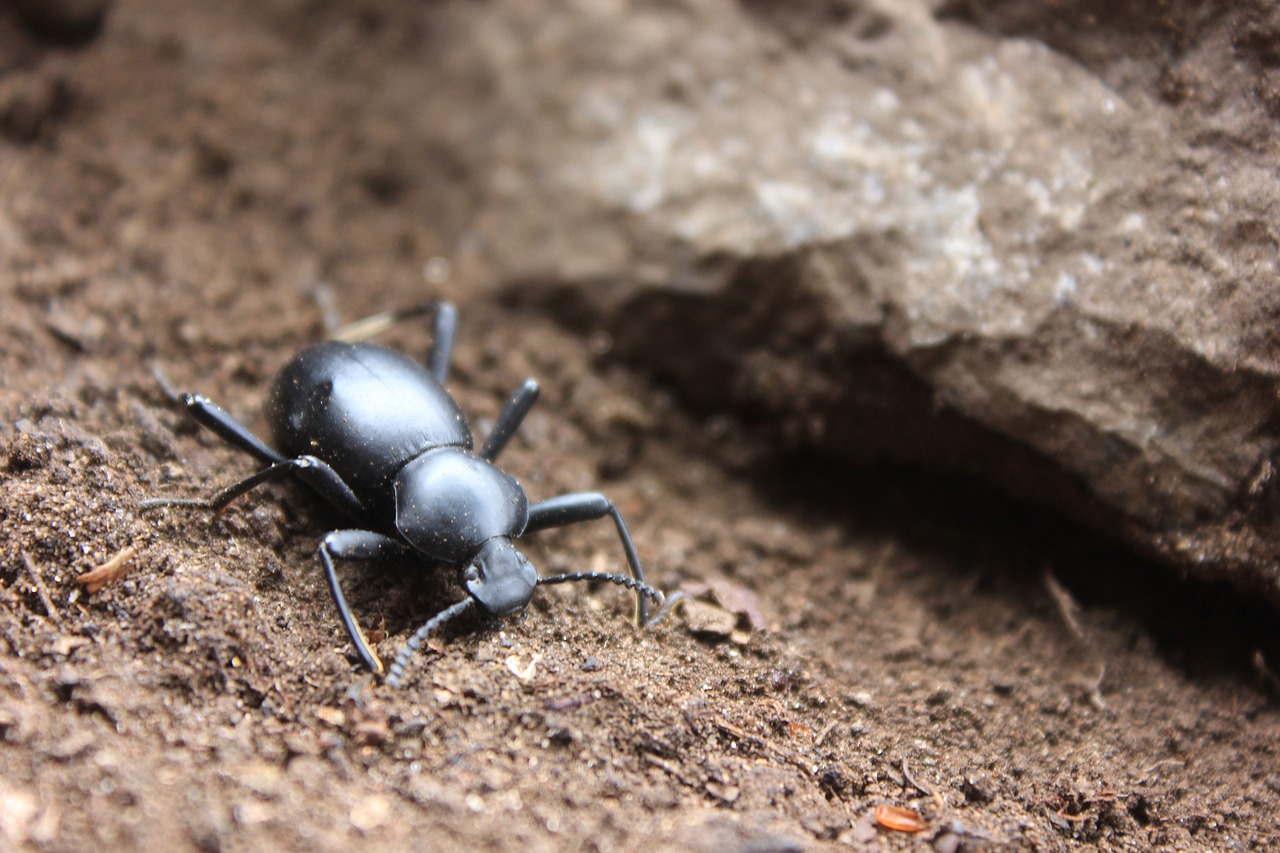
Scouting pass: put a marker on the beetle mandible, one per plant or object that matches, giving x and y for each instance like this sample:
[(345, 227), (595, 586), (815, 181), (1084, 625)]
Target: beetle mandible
[(376, 435)]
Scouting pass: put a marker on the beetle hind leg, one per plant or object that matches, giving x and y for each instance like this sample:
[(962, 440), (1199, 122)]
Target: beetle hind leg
[(221, 423), (316, 473), (443, 334)]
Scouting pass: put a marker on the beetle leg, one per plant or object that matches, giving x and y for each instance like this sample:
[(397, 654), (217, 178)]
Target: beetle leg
[(166, 387), (310, 470), (326, 482), (220, 422), (444, 331), (509, 419), (589, 506), (355, 545), (446, 328), (219, 500)]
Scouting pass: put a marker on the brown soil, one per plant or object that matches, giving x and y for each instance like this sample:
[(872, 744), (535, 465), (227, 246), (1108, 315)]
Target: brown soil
[(170, 195)]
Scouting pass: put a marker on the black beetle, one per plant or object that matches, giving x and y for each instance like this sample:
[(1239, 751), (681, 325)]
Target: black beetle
[(378, 437)]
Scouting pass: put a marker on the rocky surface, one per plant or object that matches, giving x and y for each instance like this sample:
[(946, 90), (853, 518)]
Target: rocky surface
[(1039, 249)]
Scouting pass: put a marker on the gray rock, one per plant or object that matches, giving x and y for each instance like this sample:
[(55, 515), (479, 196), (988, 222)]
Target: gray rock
[(899, 233)]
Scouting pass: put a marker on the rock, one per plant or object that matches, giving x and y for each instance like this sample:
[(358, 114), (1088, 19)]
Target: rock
[(707, 620), (905, 231)]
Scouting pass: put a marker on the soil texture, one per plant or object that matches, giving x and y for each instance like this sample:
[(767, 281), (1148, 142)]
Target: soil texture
[(174, 192)]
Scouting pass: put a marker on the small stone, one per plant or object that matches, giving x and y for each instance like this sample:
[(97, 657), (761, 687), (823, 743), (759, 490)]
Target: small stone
[(370, 812), (978, 789), (708, 620)]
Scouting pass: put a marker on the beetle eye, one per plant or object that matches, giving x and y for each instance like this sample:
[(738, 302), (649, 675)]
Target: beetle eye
[(471, 575)]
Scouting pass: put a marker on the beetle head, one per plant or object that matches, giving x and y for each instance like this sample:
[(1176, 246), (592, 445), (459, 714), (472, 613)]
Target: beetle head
[(500, 579)]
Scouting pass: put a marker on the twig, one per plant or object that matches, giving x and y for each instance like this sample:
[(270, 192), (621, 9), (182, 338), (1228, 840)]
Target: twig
[(1068, 609), (40, 588), (1268, 675), (779, 752), (669, 767), (109, 572), (1168, 762), (1095, 694)]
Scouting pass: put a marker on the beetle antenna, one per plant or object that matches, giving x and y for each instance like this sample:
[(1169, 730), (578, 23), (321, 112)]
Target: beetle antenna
[(664, 604), (395, 675)]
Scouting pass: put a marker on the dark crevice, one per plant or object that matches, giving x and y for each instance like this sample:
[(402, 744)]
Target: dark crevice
[(1207, 629), (1091, 31)]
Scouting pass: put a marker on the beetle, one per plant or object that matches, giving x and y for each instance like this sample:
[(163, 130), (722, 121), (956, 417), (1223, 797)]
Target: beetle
[(376, 435)]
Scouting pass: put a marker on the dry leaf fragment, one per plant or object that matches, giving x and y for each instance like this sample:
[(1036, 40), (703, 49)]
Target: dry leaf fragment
[(733, 597), (523, 672), (797, 729), (109, 572), (335, 717), (899, 819)]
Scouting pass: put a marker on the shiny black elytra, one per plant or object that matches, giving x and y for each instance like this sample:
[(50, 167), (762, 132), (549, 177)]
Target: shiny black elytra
[(376, 435)]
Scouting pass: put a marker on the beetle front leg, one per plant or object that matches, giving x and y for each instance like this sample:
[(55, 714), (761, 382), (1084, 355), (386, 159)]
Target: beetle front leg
[(589, 506), (355, 545)]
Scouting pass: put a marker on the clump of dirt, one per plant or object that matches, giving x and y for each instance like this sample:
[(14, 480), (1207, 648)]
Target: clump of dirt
[(857, 639)]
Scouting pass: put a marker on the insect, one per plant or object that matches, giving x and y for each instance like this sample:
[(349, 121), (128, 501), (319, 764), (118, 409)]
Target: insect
[(376, 435)]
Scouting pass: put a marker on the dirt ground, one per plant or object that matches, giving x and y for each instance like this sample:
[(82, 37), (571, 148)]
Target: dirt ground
[(171, 196)]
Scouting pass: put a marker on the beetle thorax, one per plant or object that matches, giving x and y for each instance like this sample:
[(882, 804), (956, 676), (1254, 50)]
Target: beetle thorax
[(449, 503)]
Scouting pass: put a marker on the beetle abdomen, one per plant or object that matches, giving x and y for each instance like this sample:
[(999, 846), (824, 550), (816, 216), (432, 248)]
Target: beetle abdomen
[(364, 409)]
